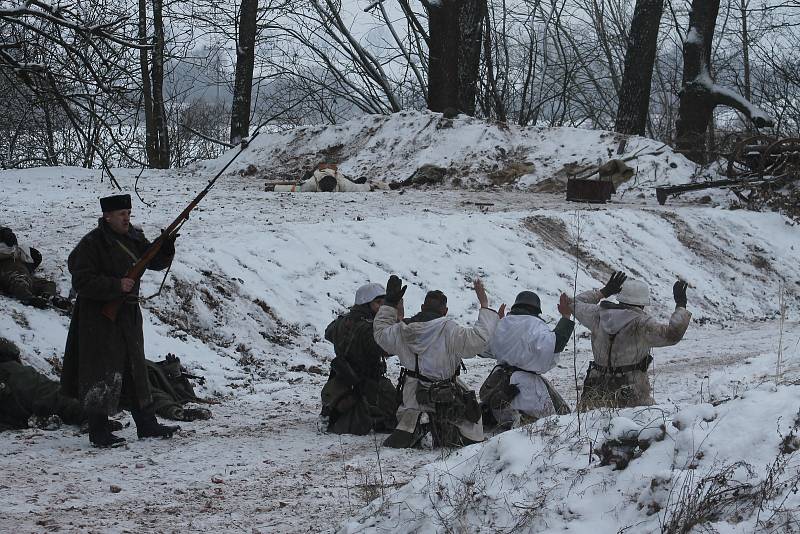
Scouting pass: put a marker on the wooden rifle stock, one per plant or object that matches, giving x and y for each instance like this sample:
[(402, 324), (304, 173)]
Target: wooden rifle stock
[(111, 309)]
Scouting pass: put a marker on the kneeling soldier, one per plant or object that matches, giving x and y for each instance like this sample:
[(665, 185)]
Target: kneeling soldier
[(515, 392), (358, 397), (430, 346), (622, 336)]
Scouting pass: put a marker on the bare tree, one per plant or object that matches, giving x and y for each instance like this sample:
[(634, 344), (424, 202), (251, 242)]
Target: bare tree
[(634, 94), (245, 61), (699, 94), (70, 63), (160, 134)]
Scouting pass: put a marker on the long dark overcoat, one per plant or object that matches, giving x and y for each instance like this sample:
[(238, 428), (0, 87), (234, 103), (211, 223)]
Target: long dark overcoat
[(98, 349)]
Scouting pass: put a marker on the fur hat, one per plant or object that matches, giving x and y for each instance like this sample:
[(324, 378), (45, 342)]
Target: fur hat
[(115, 202)]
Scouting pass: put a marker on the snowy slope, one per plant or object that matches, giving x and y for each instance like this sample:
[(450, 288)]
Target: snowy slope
[(717, 467), (474, 152), (259, 275), (258, 271)]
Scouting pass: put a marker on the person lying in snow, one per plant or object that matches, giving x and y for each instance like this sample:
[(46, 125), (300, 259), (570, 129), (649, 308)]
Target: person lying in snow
[(515, 392), (430, 346), (622, 336), (28, 398), (17, 265), (328, 179), (358, 397)]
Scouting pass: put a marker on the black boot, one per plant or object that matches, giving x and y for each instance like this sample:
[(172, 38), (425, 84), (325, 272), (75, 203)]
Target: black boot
[(100, 434), (147, 426), (113, 426)]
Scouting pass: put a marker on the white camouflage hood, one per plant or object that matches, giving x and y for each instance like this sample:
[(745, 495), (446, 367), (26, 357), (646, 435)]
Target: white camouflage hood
[(613, 320), (423, 336)]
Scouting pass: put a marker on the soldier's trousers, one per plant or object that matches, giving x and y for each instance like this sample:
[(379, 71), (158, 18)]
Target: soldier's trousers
[(22, 285)]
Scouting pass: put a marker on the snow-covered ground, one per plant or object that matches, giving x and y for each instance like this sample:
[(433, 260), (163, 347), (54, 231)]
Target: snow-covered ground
[(259, 275)]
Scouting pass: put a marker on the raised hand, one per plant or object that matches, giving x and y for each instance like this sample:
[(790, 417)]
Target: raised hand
[(614, 284), (480, 292), (394, 291), (563, 306), (679, 293), (502, 311)]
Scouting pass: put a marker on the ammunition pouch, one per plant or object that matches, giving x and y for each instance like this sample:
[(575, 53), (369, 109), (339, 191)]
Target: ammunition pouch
[(497, 391), (607, 389), (450, 400), (342, 370), (642, 365)]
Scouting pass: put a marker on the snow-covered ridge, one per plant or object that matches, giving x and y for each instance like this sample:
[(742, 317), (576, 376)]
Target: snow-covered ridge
[(261, 274), (474, 152)]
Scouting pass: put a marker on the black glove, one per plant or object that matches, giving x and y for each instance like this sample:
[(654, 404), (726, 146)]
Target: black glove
[(679, 293), (36, 256), (394, 291), (168, 247), (614, 284), (36, 302), (511, 391), (7, 236)]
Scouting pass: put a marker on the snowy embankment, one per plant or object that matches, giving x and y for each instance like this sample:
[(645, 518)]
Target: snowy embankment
[(259, 275), (472, 152), (727, 468)]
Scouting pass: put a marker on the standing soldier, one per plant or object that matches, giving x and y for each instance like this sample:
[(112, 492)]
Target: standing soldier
[(104, 364), (622, 336)]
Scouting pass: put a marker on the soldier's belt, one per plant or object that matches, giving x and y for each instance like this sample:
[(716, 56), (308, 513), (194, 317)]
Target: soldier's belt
[(639, 366)]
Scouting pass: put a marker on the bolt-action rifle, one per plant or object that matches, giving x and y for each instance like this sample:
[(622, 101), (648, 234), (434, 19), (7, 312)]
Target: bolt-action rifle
[(111, 309)]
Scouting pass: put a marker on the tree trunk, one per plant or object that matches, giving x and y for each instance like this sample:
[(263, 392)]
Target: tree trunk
[(699, 95), (745, 48), (245, 59), (640, 55), (50, 145), (151, 136), (159, 111), (454, 52), (470, 22)]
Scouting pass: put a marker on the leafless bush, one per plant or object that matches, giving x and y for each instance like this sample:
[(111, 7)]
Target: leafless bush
[(715, 496), (724, 494)]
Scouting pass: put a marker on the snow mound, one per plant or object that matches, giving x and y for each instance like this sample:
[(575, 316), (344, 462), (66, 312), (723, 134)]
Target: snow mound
[(472, 151), (733, 474)]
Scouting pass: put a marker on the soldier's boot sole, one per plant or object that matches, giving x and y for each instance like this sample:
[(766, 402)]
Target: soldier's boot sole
[(109, 442), (159, 431)]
